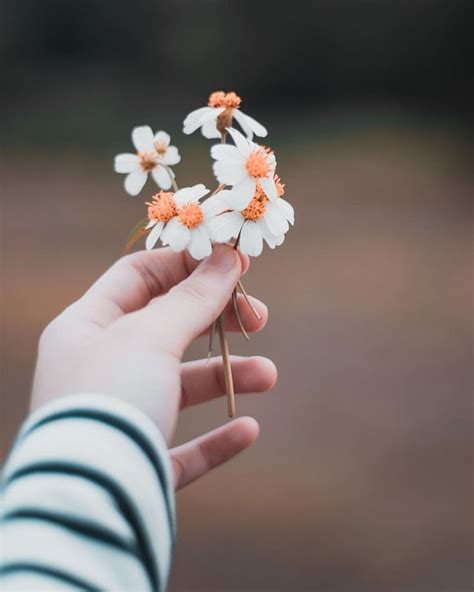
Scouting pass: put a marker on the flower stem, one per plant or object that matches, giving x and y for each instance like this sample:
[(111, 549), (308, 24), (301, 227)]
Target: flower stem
[(171, 176), (229, 383)]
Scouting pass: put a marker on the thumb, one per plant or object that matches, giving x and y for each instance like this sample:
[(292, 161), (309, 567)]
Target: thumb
[(191, 306)]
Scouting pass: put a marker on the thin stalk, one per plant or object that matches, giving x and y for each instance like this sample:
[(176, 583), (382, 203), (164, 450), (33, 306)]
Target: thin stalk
[(235, 306), (211, 341), (240, 286), (229, 383), (171, 176)]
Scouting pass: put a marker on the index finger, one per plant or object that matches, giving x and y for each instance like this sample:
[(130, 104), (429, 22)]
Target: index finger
[(135, 279)]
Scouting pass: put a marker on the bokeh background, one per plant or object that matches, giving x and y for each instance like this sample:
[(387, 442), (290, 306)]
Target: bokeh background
[(361, 477)]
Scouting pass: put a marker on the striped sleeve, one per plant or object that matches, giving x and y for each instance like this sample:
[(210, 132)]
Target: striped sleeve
[(87, 500)]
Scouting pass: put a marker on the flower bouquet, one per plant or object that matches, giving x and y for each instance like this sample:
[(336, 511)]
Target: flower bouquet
[(245, 209)]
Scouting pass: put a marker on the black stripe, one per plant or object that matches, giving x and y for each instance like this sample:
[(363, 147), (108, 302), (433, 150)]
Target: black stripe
[(129, 430), (50, 572), (87, 528), (125, 504)]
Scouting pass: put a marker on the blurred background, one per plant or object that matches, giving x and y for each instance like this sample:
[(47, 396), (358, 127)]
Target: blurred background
[(361, 477)]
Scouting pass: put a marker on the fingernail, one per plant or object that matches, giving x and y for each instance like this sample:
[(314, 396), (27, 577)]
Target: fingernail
[(223, 258)]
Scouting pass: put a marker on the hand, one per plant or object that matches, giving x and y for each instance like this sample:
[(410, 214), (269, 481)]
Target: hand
[(126, 336)]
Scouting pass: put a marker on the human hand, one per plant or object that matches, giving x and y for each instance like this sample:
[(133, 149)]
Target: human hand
[(126, 336)]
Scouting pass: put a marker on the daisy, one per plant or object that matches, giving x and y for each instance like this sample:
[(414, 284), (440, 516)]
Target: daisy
[(181, 221), (217, 117), (154, 155), (262, 219), (244, 166)]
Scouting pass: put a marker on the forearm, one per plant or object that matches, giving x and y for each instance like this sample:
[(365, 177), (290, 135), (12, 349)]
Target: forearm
[(87, 500)]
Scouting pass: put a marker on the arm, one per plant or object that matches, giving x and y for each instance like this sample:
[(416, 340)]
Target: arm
[(88, 488)]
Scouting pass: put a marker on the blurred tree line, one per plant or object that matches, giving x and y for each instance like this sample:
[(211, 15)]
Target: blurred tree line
[(94, 58)]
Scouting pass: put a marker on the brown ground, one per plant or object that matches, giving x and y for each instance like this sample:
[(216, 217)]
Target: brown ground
[(360, 480)]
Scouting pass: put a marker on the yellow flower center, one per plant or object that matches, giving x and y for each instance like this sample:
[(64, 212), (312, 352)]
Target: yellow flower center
[(280, 187), (256, 208), (163, 207), (147, 161), (257, 164), (191, 215)]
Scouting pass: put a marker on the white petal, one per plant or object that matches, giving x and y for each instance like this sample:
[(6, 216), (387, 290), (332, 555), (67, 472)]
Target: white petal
[(268, 186), (287, 209), (209, 130), (176, 235), (242, 193), (211, 115), (161, 177), (240, 141), (214, 205), (153, 236), (150, 224), (226, 226), (229, 172), (162, 138), (240, 118), (171, 156), (270, 238), (227, 152), (256, 127), (192, 121), (200, 244), (135, 181), (142, 138), (251, 242), (193, 193), (126, 163), (276, 222)]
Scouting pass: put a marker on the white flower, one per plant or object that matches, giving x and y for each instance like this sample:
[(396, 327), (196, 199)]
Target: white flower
[(244, 166), (181, 221), (153, 151), (261, 220), (217, 117)]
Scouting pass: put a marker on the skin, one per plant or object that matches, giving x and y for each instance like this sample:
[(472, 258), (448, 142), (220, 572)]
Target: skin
[(126, 337)]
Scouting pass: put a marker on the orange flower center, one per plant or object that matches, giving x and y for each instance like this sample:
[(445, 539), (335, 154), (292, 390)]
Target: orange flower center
[(257, 164), (256, 208), (147, 161), (160, 148), (221, 99), (163, 207), (280, 187), (191, 215)]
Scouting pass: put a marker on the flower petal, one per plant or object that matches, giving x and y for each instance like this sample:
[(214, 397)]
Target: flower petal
[(209, 130), (272, 240), (240, 118), (226, 226), (200, 244), (215, 205), (192, 121), (161, 177), (251, 242), (227, 152), (242, 193), (153, 236), (176, 235), (162, 137), (126, 163), (275, 220), (150, 224), (268, 186), (241, 141), (229, 172), (287, 209), (171, 156), (142, 138), (256, 127), (135, 181), (193, 193)]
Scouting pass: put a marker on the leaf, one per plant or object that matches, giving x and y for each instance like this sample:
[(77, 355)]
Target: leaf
[(136, 233)]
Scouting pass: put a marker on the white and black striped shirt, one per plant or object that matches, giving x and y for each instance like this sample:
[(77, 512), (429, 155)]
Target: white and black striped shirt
[(87, 500)]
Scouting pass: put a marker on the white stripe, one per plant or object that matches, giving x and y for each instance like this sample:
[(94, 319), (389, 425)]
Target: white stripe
[(105, 567)]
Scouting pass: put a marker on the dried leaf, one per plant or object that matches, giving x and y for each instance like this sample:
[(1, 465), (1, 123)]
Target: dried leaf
[(137, 232)]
